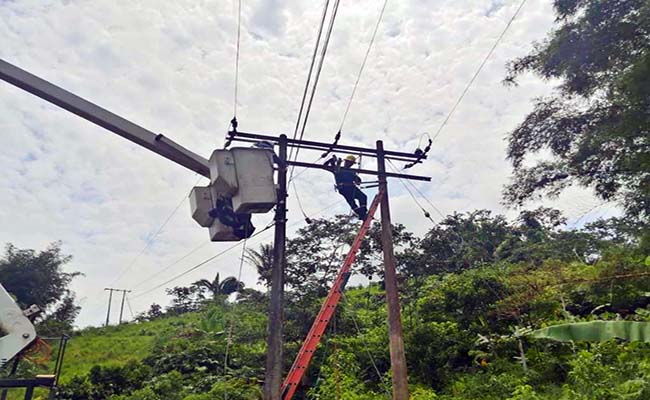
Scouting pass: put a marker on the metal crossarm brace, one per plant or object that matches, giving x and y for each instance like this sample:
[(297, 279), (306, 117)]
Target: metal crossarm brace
[(313, 145), (361, 171), (327, 309)]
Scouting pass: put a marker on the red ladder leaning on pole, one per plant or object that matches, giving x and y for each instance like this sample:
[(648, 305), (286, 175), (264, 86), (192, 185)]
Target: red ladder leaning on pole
[(327, 310)]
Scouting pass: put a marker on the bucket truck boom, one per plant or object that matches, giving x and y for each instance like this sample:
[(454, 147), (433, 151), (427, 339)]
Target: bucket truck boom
[(17, 329)]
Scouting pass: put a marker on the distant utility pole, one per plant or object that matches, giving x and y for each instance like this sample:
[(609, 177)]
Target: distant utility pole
[(110, 300)]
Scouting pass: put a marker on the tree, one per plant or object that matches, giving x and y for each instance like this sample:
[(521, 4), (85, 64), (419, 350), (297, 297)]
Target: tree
[(155, 311), (316, 252), (220, 288), (38, 278), (185, 299), (597, 125), (262, 259), (460, 241)]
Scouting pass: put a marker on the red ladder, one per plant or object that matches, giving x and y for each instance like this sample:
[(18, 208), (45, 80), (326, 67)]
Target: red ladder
[(327, 310)]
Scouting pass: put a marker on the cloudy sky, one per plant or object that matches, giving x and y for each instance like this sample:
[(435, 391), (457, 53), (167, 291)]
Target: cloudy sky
[(169, 66)]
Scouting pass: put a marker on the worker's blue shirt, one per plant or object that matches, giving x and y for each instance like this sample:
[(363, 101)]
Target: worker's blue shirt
[(345, 177)]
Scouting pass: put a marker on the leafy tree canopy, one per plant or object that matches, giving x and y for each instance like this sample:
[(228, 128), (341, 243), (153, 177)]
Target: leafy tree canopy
[(38, 278), (597, 125)]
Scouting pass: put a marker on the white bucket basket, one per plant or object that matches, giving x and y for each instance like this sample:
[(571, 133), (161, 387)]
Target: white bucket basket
[(201, 203), (256, 191), (222, 233), (223, 173)]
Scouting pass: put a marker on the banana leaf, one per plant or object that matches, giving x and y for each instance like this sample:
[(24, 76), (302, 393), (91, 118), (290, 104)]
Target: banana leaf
[(596, 331)]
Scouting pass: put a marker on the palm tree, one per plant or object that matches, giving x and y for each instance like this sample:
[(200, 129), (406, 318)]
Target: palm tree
[(220, 288), (262, 259)]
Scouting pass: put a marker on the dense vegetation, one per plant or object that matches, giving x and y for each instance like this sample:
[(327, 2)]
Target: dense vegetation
[(38, 278), (596, 125), (472, 291)]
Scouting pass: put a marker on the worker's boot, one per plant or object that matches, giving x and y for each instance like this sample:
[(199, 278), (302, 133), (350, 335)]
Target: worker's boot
[(362, 213)]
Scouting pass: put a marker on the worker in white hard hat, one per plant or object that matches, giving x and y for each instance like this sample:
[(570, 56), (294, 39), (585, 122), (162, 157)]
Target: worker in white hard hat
[(347, 184)]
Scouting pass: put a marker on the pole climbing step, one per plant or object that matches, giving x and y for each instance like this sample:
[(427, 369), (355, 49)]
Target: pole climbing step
[(326, 312)]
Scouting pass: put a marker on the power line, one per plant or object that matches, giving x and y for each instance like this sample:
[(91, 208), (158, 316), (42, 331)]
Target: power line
[(426, 212), (197, 248), (187, 271), (220, 254), (302, 210), (367, 348), (311, 69), (232, 322), (478, 71), (316, 78), (363, 65), (128, 303), (237, 62), (356, 84), (149, 242)]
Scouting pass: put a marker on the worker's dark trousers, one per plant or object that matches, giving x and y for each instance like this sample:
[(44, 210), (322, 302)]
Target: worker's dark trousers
[(352, 194)]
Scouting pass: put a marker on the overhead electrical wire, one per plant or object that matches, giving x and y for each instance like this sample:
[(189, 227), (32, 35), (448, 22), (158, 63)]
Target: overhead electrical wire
[(478, 71), (363, 64), (165, 269), (302, 210), (234, 112), (304, 96), (356, 84), (309, 74), (232, 321), (204, 262), (128, 303), (427, 214), (150, 241), (328, 35)]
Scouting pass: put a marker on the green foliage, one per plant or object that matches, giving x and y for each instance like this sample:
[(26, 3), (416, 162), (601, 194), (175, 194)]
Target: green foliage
[(609, 372), (596, 331), (596, 127), (38, 278), (422, 393), (220, 288), (233, 389), (465, 329), (341, 379), (435, 349), (524, 392)]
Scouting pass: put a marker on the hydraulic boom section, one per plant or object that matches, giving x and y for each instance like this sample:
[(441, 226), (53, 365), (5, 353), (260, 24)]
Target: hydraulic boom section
[(18, 331), (327, 309)]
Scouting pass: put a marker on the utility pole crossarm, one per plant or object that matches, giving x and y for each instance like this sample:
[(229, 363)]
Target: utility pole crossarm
[(330, 147), (361, 171), (104, 118)]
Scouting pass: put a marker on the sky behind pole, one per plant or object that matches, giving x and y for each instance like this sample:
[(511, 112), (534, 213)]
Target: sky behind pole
[(169, 66)]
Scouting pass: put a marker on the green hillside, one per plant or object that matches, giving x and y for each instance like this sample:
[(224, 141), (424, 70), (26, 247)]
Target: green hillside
[(466, 336), (117, 345)]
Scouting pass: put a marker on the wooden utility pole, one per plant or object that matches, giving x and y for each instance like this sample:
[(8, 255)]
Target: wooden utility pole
[(110, 300), (396, 344), (124, 292), (273, 376)]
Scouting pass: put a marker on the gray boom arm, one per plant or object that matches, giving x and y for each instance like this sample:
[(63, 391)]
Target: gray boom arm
[(18, 330), (104, 118)]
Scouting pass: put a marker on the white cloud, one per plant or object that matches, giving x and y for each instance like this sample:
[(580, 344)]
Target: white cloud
[(169, 66)]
